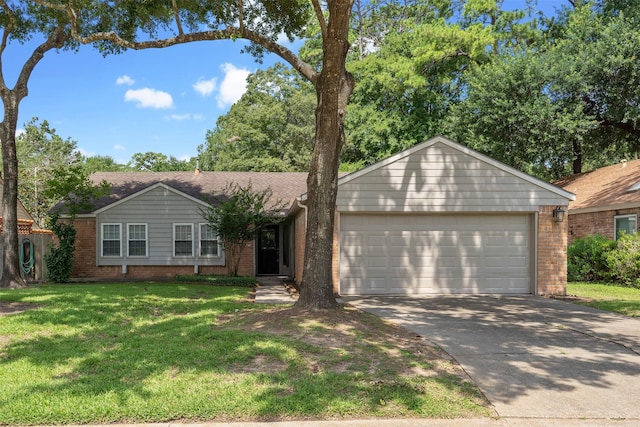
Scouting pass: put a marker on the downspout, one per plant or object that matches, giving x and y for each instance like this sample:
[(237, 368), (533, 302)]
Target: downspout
[(305, 207), (296, 261)]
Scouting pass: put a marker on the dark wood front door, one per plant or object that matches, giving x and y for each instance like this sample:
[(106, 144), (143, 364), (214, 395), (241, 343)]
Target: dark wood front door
[(268, 250)]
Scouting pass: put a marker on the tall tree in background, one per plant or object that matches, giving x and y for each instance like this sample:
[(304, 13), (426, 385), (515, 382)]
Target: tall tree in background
[(568, 102), (270, 128), (98, 163), (261, 23), (40, 151), (158, 162)]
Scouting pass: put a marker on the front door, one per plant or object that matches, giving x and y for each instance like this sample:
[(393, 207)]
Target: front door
[(268, 250)]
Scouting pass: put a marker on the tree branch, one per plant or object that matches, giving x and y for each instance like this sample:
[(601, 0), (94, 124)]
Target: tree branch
[(9, 28), (177, 16), (55, 41), (228, 33), (627, 127), (320, 18), (5, 36)]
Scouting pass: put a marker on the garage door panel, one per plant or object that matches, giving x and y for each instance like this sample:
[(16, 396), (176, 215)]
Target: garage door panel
[(422, 254)]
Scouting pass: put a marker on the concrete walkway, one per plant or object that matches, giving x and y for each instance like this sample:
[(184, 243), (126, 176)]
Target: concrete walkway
[(271, 290), (532, 357)]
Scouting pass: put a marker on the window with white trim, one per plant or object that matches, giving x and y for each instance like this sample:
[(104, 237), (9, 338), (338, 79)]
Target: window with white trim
[(209, 242), (111, 240), (625, 224), (137, 240), (183, 239)]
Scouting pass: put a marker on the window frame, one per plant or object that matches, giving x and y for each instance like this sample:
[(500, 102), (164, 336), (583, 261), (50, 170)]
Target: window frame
[(102, 239), (146, 240), (180, 224), (200, 240), (625, 216)]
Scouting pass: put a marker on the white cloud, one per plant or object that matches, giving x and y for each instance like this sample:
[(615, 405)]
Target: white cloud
[(233, 85), (178, 117), (119, 147), (198, 116), (149, 98), (124, 80), (205, 87), (20, 132)]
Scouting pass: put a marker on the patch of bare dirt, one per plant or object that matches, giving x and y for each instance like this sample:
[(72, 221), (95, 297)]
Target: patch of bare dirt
[(355, 333), (7, 308)]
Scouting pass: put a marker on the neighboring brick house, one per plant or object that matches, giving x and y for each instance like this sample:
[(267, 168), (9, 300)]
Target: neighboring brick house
[(436, 218), (607, 201)]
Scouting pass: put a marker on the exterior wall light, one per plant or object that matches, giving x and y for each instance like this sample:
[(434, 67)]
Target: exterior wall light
[(558, 214)]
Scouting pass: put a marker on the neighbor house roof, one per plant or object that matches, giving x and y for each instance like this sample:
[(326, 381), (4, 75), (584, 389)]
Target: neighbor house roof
[(612, 187), (23, 215), (206, 186)]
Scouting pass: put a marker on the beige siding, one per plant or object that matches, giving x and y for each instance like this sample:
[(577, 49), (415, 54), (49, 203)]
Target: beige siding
[(427, 254), (442, 178), (159, 208)]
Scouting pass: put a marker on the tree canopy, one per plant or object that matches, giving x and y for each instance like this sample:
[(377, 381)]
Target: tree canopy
[(548, 95), (271, 127)]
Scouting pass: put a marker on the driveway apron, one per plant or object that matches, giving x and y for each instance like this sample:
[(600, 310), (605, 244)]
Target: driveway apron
[(530, 356)]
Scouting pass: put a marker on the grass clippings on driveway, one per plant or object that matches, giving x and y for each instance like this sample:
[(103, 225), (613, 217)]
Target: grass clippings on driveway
[(618, 299), (158, 352)]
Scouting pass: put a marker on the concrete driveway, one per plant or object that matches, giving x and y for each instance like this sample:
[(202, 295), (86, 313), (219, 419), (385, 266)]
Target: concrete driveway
[(531, 356)]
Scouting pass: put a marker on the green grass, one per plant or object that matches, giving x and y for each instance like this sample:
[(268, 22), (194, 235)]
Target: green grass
[(106, 353), (618, 299), (219, 280)]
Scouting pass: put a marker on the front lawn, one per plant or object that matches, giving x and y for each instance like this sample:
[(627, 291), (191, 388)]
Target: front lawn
[(618, 299), (106, 353)]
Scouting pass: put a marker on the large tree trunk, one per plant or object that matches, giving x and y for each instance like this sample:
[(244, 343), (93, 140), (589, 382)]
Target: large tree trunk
[(333, 88), (577, 157), (11, 99), (11, 277)]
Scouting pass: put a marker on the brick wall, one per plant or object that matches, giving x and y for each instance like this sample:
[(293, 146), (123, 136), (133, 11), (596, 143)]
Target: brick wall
[(552, 253), (84, 262), (85, 268), (592, 223), (300, 233), (335, 262)]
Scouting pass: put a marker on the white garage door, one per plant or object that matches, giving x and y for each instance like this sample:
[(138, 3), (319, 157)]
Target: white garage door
[(431, 254)]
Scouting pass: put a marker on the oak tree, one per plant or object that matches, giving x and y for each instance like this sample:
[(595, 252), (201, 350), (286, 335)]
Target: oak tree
[(21, 21), (125, 23)]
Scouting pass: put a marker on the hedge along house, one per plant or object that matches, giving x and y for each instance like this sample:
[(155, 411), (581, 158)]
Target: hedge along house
[(436, 218), (607, 201)]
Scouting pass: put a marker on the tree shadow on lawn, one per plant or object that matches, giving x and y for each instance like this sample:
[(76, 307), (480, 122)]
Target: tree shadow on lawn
[(154, 358), (515, 347)]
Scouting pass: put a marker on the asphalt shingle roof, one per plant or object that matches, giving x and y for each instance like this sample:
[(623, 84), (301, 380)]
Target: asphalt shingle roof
[(286, 186), (609, 186)]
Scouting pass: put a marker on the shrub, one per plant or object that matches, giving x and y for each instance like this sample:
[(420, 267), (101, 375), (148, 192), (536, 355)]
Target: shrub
[(587, 259), (59, 259), (624, 260)]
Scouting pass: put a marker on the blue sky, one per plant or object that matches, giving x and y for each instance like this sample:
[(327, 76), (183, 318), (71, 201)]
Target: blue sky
[(161, 100)]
